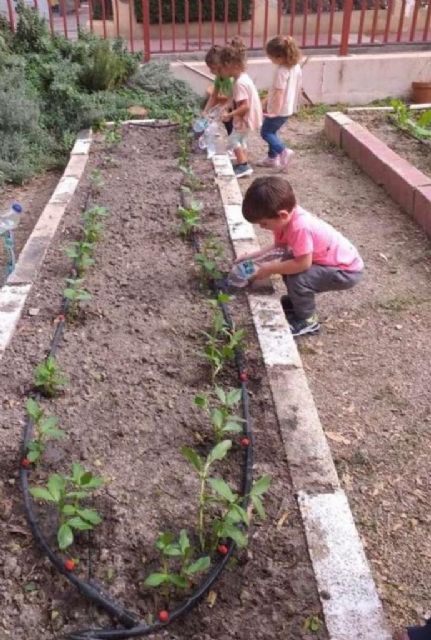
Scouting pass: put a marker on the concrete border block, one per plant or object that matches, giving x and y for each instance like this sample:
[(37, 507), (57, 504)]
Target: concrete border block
[(353, 608), (222, 165), (12, 301), (82, 143), (64, 190), (334, 123), (422, 207), (76, 165), (229, 190), (239, 228)]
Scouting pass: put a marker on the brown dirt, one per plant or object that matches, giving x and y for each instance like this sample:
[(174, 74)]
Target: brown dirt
[(415, 151), (369, 369), (134, 367), (33, 196)]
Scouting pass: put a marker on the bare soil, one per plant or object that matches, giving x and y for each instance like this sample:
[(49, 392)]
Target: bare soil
[(33, 196), (415, 151), (369, 369), (134, 368)]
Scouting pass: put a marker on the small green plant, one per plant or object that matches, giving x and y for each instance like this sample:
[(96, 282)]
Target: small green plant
[(76, 295), (67, 493), (313, 624), (190, 217), (179, 551), (220, 349), (223, 419), (93, 224), (96, 180), (48, 377), (419, 127), (191, 181), (202, 467), (80, 252), (113, 134), (206, 259), (45, 428)]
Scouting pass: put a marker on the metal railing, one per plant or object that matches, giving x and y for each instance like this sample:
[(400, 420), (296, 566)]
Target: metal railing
[(169, 26)]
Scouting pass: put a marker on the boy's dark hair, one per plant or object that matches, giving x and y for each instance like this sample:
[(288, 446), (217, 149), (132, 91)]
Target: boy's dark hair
[(213, 55), (266, 196)]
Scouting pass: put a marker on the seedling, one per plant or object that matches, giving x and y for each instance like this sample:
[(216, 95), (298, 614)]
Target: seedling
[(313, 624), (191, 181), (223, 420), (113, 134), (67, 493), (75, 294), (202, 467), (218, 350), (180, 550), (45, 428), (231, 523), (80, 252), (207, 260), (419, 127), (48, 377), (96, 180), (190, 217), (93, 226)]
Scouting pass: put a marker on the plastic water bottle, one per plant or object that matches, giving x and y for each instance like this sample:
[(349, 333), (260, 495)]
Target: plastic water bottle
[(9, 219), (242, 272), (211, 135), (199, 125)]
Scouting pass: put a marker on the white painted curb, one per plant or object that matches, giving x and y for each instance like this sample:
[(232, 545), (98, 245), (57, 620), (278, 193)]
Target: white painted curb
[(349, 598), (13, 294)]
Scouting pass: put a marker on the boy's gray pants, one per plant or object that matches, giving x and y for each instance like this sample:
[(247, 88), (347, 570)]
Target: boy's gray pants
[(301, 287)]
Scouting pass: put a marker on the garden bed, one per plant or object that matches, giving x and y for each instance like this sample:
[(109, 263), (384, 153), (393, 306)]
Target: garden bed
[(417, 152), (134, 366)]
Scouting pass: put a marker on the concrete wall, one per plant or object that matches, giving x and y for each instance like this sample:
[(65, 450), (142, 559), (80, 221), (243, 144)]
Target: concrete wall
[(354, 79)]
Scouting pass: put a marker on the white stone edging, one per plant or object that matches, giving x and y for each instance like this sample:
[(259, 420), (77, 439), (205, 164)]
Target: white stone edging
[(13, 294), (349, 597)]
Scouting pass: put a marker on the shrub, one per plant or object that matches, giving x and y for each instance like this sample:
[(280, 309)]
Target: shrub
[(180, 17), (107, 66)]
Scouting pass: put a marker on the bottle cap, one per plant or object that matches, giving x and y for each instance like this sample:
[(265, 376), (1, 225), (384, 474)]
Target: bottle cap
[(16, 207)]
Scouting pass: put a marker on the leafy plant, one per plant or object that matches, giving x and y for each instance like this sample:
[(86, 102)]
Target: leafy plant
[(48, 377), (96, 180), (106, 66), (207, 258), (313, 624), (176, 550), (419, 127), (67, 493), (222, 348), (202, 467), (223, 419), (190, 217), (45, 428), (80, 252), (75, 294), (191, 181)]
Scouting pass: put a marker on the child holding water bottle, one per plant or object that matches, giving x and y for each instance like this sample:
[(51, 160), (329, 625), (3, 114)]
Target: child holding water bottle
[(280, 103), (246, 114)]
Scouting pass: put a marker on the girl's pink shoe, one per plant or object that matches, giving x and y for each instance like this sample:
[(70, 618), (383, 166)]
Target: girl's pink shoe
[(269, 162), (286, 157)]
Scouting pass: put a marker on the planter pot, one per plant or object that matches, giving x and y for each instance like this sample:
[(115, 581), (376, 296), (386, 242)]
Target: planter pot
[(421, 92)]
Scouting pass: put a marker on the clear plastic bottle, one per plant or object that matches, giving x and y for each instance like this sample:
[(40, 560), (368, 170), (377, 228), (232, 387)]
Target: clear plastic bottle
[(241, 272), (9, 219)]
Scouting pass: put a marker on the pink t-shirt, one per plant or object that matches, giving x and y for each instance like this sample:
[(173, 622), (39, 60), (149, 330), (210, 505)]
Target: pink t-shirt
[(307, 234), (244, 89)]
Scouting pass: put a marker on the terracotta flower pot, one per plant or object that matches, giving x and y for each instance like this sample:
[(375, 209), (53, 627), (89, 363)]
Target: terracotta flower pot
[(421, 92)]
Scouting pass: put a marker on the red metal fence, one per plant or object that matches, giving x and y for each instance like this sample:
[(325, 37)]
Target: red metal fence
[(168, 26)]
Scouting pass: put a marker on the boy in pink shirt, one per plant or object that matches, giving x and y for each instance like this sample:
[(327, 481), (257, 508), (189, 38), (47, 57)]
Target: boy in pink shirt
[(318, 257)]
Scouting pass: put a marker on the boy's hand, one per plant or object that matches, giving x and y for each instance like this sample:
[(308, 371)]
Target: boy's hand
[(226, 116), (263, 273)]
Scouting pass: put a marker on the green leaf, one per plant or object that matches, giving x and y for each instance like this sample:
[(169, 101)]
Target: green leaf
[(229, 531), (172, 550), (156, 579), (232, 427), (48, 424), (219, 451), (33, 455), (178, 581), (192, 457), (257, 503), (242, 513), (34, 410), (79, 523), (166, 538), (184, 542), (261, 486), (90, 515), (68, 510), (94, 482), (220, 394), (42, 494), (77, 472), (424, 119), (76, 495), (217, 418), (200, 565), (64, 536), (56, 485), (222, 488), (233, 397), (201, 401)]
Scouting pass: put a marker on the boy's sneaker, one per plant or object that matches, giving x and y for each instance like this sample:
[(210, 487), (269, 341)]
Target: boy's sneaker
[(269, 162), (285, 157), (301, 327), (242, 170), (287, 305)]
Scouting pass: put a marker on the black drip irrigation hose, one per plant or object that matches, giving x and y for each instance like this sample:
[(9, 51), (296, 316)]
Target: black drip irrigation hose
[(92, 591)]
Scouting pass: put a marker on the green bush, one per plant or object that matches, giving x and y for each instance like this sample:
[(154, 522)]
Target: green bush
[(180, 6), (106, 67)]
